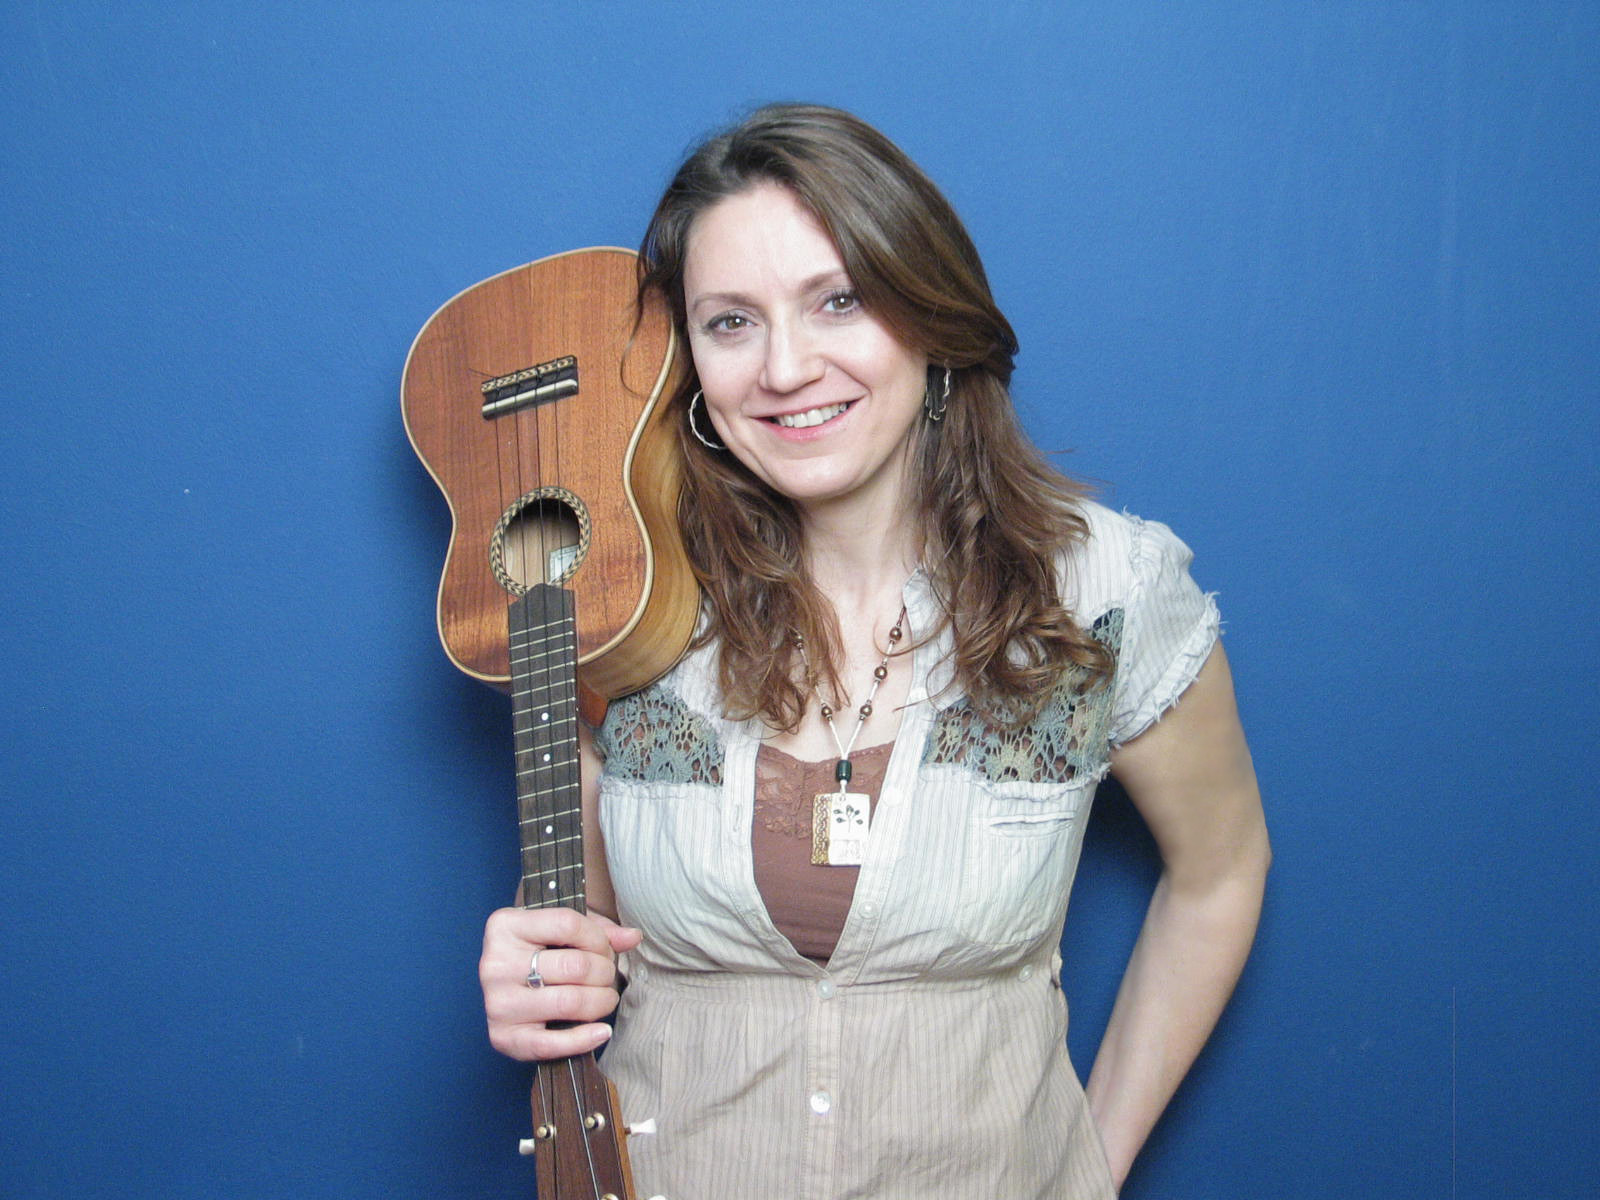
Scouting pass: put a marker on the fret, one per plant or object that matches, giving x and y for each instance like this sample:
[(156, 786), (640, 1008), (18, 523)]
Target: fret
[(533, 678), (556, 710), (556, 814), (549, 734), (547, 839), (552, 772), (553, 744), (549, 768), (549, 761), (540, 889), (530, 741), (574, 900), (551, 687), (566, 877), (530, 634), (555, 713), (537, 656), (541, 635), (540, 642)]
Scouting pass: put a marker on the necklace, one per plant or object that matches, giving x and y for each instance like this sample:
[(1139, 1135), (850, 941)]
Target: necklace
[(839, 819)]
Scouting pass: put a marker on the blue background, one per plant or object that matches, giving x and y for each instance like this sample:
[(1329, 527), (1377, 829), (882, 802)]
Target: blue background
[(1318, 284)]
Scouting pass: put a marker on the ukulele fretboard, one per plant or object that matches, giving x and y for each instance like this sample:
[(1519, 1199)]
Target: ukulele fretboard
[(544, 694)]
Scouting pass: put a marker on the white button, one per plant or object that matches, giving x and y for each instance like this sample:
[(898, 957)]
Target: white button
[(826, 988), (1026, 972), (868, 908), (821, 1102)]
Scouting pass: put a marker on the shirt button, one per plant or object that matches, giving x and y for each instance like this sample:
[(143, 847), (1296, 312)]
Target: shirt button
[(868, 908), (1026, 972), (821, 1103), (826, 988)]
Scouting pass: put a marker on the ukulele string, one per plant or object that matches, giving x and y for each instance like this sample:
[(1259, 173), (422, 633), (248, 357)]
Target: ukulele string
[(588, 1150), (548, 449), (566, 664)]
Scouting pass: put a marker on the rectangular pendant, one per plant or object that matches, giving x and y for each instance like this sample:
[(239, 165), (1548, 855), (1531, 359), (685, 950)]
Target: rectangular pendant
[(839, 828)]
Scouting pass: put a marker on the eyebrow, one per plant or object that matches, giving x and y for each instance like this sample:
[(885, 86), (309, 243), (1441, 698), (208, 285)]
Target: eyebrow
[(822, 279)]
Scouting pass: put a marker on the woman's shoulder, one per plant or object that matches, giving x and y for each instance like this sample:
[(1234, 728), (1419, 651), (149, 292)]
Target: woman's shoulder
[(1105, 527), (1103, 568), (1121, 531)]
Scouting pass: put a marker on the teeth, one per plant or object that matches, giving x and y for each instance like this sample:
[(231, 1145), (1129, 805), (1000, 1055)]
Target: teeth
[(814, 416)]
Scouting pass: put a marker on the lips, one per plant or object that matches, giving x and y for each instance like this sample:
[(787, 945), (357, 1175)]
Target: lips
[(811, 416)]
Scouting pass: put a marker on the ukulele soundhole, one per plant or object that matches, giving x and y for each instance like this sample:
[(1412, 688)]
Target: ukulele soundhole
[(542, 538)]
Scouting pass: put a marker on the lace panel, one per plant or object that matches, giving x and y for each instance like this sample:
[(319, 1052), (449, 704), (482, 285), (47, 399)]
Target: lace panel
[(654, 737), (1069, 738)]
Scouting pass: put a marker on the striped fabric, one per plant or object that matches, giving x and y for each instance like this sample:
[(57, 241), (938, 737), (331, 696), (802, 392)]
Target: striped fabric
[(927, 1059)]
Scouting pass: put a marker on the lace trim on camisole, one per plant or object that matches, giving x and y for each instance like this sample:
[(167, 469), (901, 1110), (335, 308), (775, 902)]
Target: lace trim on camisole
[(808, 904)]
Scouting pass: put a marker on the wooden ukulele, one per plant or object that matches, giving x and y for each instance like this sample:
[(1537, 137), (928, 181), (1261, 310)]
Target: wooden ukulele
[(535, 401)]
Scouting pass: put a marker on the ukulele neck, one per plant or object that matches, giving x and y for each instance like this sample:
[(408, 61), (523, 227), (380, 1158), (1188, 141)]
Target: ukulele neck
[(544, 694)]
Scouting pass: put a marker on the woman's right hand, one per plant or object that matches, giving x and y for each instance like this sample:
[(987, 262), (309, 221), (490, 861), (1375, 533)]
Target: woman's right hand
[(577, 961)]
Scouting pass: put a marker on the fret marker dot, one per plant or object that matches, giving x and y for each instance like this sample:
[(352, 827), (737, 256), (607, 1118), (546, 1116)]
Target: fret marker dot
[(544, 716), (546, 758), (549, 829), (551, 885)]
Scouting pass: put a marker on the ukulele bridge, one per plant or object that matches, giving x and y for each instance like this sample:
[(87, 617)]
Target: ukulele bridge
[(530, 387)]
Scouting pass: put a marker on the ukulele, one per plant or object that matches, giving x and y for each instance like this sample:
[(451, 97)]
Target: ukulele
[(535, 400)]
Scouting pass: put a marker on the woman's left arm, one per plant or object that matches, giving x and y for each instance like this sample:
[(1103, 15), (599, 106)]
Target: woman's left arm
[(1191, 778)]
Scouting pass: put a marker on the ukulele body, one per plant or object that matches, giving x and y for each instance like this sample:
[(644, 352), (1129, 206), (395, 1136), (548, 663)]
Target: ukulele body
[(579, 441)]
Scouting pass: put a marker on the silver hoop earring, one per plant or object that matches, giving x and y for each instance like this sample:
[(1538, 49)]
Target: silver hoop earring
[(694, 428), (934, 406)]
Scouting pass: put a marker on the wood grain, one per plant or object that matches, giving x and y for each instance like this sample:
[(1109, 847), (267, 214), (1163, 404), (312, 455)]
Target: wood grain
[(610, 445)]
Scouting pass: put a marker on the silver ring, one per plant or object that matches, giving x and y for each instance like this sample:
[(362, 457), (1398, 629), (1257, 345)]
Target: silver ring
[(535, 980)]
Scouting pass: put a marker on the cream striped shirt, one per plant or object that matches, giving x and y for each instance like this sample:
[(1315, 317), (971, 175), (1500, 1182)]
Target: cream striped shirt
[(928, 1058)]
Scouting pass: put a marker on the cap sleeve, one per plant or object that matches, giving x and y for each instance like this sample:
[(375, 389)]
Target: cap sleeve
[(1169, 629)]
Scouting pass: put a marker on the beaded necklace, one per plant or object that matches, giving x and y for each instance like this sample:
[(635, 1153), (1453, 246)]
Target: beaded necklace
[(839, 819)]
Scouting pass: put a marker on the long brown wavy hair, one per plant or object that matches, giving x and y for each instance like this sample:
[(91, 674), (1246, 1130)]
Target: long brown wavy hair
[(994, 516)]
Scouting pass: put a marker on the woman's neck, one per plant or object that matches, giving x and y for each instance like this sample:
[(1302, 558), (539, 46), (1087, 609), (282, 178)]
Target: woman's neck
[(860, 561)]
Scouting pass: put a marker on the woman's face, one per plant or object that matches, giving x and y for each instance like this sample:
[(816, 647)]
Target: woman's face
[(810, 391)]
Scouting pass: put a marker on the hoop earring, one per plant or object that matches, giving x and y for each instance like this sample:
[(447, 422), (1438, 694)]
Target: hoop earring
[(933, 406), (694, 402)]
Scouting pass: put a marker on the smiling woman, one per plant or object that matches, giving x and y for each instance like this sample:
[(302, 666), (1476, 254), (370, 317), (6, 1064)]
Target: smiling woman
[(842, 831), (811, 392)]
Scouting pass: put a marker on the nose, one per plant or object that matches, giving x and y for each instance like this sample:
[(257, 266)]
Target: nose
[(793, 358)]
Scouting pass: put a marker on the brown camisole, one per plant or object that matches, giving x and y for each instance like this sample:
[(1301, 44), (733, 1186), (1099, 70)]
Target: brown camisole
[(807, 903)]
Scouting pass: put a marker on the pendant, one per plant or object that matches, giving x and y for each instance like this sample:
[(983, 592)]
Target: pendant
[(839, 828)]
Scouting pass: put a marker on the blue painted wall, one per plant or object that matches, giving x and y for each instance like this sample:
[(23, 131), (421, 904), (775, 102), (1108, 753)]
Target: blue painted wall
[(1314, 283)]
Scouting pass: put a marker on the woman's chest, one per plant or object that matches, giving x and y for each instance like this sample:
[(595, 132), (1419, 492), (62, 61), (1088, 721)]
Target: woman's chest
[(967, 864)]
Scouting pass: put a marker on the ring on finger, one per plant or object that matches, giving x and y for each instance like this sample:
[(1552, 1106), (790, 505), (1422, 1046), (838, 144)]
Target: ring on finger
[(535, 980)]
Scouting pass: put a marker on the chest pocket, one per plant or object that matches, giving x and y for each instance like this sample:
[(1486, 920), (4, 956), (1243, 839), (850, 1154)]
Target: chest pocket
[(1021, 850), (1024, 827)]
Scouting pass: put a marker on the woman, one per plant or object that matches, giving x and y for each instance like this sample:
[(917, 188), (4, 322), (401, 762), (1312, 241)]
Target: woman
[(843, 829)]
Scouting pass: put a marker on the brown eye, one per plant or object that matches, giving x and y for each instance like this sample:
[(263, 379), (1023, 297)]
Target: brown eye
[(842, 301)]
